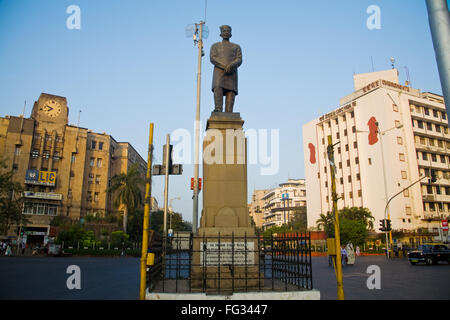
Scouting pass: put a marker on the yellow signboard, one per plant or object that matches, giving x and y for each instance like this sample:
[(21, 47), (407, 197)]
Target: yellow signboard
[(47, 177)]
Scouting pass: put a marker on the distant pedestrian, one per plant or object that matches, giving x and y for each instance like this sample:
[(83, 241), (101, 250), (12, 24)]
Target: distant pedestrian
[(358, 251), (8, 250), (343, 255)]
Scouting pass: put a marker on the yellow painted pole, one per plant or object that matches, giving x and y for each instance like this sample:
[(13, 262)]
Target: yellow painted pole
[(146, 223), (337, 235)]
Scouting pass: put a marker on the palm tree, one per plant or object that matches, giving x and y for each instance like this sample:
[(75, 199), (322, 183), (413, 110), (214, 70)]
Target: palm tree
[(326, 222), (126, 186)]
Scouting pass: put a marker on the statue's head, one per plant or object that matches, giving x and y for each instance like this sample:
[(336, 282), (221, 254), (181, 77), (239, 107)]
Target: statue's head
[(225, 32)]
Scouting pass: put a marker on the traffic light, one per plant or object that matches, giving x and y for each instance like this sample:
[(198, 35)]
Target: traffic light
[(382, 225), (388, 225), (199, 183), (192, 183)]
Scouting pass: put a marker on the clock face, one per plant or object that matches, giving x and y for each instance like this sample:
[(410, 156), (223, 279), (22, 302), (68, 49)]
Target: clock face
[(52, 108)]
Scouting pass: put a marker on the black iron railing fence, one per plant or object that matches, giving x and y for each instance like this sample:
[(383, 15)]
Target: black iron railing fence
[(229, 263)]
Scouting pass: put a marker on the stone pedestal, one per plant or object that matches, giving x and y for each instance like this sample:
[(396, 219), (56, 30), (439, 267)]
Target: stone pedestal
[(225, 214)]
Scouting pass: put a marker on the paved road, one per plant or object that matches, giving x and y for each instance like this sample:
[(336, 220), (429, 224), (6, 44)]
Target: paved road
[(118, 278)]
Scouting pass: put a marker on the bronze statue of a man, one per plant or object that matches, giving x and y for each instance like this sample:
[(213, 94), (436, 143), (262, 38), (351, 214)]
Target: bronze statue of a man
[(226, 58)]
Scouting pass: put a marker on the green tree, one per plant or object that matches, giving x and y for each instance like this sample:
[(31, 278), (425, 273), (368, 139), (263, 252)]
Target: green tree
[(11, 200), (354, 224), (326, 223), (359, 214), (157, 222), (127, 188), (299, 222)]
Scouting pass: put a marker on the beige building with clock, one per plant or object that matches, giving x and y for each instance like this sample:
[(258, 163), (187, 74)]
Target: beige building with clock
[(64, 169)]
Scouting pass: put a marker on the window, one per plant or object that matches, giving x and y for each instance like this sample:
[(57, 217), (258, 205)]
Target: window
[(339, 150), (349, 179), (323, 142), (424, 156), (97, 179), (356, 160), (325, 169), (431, 142), (404, 175), (337, 135), (100, 146), (17, 151), (395, 108), (96, 196), (435, 114), (433, 157), (351, 195), (56, 156), (438, 128), (348, 163), (432, 207), (444, 116), (93, 144), (420, 124), (429, 189), (34, 154), (337, 120), (370, 161), (438, 189), (99, 162), (345, 132), (341, 180), (397, 123), (442, 158), (89, 196), (46, 155), (73, 158), (358, 176), (422, 141), (406, 193), (399, 140), (355, 144), (408, 211), (440, 144), (346, 147), (429, 126), (326, 184), (426, 111), (352, 114), (340, 165), (92, 162), (359, 193), (401, 156)]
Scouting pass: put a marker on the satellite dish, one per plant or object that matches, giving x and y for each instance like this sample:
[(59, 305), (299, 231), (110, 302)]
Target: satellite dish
[(193, 30)]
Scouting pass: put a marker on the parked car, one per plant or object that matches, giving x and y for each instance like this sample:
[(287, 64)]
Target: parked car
[(430, 253)]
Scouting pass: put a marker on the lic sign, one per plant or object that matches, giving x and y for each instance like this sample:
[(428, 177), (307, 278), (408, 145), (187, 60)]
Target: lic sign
[(45, 178)]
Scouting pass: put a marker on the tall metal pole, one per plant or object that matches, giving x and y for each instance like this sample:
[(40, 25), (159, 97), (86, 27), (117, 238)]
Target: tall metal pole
[(166, 188), (386, 212), (439, 19), (197, 132), (337, 234), (146, 222)]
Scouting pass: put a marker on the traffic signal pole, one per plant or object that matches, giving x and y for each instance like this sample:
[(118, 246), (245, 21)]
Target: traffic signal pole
[(146, 222), (337, 236)]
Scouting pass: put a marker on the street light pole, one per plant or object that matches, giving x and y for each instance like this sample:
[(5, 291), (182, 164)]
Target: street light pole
[(197, 131), (385, 185)]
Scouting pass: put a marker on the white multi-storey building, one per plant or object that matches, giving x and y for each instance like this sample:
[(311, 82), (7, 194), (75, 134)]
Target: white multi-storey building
[(281, 202), (371, 167)]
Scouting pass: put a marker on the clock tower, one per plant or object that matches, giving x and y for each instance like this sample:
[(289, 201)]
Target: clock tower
[(51, 110)]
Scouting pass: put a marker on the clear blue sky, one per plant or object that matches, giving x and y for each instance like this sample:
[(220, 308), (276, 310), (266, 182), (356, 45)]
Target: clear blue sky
[(131, 64)]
